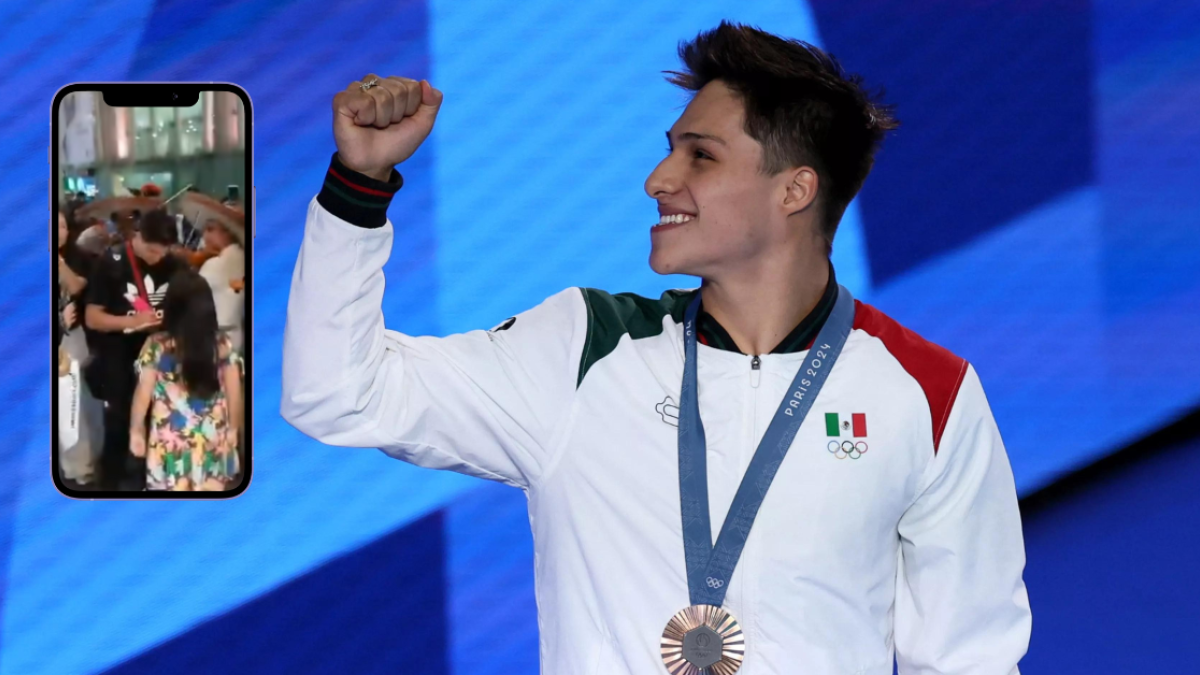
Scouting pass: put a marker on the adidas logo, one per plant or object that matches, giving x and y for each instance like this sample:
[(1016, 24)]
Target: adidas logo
[(156, 293)]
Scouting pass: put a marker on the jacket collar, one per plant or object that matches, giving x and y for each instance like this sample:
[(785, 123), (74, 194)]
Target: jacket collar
[(711, 333)]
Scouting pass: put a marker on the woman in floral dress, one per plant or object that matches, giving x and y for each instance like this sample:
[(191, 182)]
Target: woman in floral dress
[(190, 387)]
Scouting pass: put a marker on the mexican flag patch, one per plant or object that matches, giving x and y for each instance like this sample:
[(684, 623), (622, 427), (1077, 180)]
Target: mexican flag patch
[(852, 425)]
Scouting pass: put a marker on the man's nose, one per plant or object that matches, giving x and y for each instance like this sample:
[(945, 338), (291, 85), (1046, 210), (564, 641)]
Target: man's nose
[(661, 180)]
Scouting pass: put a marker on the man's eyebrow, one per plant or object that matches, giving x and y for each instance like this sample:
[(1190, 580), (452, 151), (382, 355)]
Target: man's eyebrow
[(691, 135)]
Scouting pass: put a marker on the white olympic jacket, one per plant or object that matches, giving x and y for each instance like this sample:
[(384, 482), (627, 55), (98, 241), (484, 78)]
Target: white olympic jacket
[(906, 542)]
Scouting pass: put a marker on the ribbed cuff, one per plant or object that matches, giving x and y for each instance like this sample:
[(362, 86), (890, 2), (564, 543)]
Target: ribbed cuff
[(357, 198)]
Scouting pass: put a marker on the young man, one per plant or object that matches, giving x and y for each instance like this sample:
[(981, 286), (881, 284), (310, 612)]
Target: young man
[(891, 527), (124, 292)]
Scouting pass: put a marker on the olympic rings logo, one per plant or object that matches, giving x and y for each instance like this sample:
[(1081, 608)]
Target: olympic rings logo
[(714, 582), (850, 449)]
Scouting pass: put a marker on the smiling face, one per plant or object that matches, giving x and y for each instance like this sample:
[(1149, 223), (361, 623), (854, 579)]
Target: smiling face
[(712, 174)]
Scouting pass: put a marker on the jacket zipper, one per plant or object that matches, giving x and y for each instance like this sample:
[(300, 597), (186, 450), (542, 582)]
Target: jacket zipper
[(749, 561)]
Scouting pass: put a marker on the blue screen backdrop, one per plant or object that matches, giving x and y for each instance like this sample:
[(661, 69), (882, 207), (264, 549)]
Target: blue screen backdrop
[(1037, 213)]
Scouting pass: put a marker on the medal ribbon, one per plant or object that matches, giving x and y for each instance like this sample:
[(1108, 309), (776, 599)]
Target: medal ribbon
[(710, 567)]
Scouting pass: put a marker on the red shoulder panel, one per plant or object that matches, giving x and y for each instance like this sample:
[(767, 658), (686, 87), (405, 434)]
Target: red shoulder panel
[(939, 371)]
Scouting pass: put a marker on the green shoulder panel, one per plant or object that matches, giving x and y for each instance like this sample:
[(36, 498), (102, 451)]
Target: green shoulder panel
[(611, 316)]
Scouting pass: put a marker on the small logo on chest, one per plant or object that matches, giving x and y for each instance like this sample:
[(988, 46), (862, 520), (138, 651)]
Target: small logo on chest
[(669, 411), (845, 434)]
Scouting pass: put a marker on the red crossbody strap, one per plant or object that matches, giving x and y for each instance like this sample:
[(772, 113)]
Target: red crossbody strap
[(137, 273)]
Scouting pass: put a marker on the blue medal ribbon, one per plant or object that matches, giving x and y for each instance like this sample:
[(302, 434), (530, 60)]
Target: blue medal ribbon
[(710, 567)]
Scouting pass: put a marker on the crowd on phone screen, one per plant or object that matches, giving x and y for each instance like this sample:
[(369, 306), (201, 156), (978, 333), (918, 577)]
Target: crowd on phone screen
[(149, 339)]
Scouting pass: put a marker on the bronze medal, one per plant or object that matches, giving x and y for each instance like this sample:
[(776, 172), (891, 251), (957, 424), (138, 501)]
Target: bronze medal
[(703, 640)]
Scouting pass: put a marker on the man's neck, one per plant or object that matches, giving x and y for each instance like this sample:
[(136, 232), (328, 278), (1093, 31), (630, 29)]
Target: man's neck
[(142, 261), (760, 308)]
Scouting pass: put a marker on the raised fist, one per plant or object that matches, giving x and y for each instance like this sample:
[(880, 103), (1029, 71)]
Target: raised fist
[(379, 127)]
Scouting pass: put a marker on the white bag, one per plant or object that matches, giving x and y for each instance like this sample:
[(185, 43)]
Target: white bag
[(69, 389)]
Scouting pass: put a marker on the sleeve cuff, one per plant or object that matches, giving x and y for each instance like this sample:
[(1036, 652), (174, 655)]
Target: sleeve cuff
[(356, 198)]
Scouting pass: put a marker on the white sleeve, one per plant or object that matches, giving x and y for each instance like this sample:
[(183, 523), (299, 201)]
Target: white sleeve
[(961, 604), (484, 403), (218, 272), (210, 270)]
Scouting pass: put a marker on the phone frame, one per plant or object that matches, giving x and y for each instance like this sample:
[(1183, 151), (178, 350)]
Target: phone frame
[(156, 94)]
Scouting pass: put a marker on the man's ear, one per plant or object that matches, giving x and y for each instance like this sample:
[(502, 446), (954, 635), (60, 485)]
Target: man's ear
[(801, 190)]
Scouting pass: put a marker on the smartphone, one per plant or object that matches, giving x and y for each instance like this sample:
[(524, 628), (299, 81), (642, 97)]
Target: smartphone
[(151, 268)]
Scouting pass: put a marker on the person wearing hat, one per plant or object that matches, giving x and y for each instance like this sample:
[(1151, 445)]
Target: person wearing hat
[(223, 271)]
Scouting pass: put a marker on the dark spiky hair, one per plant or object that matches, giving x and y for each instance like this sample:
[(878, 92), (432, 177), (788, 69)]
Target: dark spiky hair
[(158, 227), (801, 106)]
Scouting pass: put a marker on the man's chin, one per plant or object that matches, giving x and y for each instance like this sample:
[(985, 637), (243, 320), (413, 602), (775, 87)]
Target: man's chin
[(665, 264)]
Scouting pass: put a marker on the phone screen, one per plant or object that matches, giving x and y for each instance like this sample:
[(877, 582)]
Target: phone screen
[(151, 267)]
